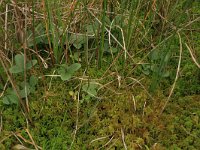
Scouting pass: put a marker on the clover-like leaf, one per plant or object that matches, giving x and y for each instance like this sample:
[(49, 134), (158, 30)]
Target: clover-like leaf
[(10, 99), (92, 28), (33, 80), (154, 55), (90, 88), (67, 72), (19, 67), (25, 92), (113, 50), (77, 40), (165, 74), (25, 89), (74, 67), (65, 76), (19, 61), (16, 69)]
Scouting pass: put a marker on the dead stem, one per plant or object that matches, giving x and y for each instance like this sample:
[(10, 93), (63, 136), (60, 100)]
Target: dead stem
[(177, 74)]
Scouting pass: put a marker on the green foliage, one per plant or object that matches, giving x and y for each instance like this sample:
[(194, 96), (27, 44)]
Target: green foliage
[(40, 36), (66, 72), (90, 90), (77, 40), (24, 88), (100, 117), (19, 64), (10, 98)]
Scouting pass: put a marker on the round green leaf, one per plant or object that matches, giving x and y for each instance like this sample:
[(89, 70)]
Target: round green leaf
[(90, 88), (16, 69), (10, 99), (65, 76), (6, 101), (33, 80), (23, 93), (74, 67), (19, 60)]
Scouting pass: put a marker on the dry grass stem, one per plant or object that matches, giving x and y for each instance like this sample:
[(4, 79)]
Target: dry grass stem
[(193, 58), (177, 73)]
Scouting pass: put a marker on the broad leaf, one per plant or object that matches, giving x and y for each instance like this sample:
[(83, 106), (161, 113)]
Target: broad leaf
[(77, 40), (67, 72), (113, 50), (33, 81), (74, 67), (10, 99), (19, 60), (92, 28), (166, 74), (19, 67), (90, 88), (6, 100), (65, 76), (16, 69), (154, 55), (22, 92), (25, 92)]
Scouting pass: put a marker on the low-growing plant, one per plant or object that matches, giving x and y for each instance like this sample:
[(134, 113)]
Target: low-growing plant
[(66, 72), (90, 90), (24, 88)]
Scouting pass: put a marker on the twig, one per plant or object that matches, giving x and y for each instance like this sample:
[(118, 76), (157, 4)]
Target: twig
[(134, 102), (17, 138), (107, 142), (113, 144), (4, 89), (1, 122), (109, 32), (98, 139), (195, 61), (123, 140), (36, 147), (6, 27), (77, 113), (141, 86), (4, 138), (25, 57), (177, 73), (77, 120), (26, 141)]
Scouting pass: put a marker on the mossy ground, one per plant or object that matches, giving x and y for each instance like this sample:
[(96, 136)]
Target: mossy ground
[(120, 109), (123, 114)]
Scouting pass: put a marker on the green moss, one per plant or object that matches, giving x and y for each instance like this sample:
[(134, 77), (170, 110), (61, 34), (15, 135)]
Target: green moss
[(121, 106)]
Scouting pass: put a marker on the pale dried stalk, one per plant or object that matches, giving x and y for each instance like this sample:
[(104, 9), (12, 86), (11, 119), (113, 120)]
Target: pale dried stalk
[(36, 147), (123, 139), (193, 58), (114, 38), (98, 139), (26, 141), (6, 27), (177, 73), (107, 142)]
